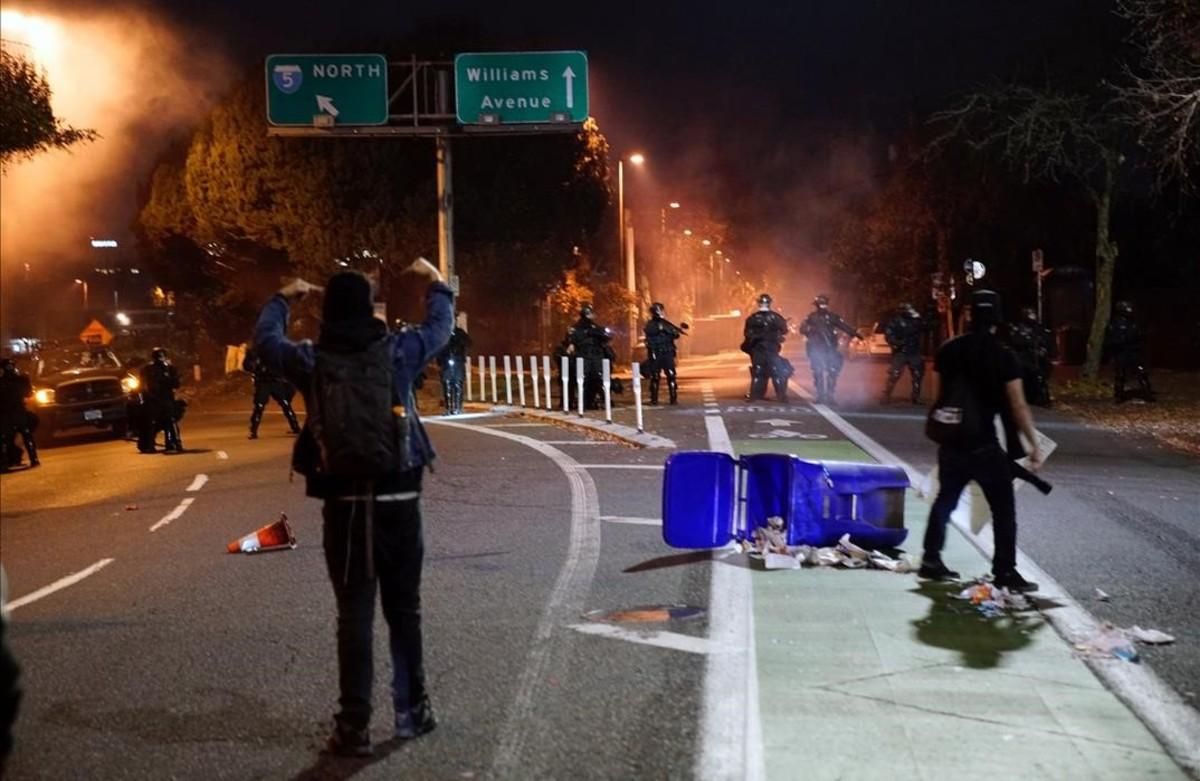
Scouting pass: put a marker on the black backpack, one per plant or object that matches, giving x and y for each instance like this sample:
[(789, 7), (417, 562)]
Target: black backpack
[(359, 427), (955, 419)]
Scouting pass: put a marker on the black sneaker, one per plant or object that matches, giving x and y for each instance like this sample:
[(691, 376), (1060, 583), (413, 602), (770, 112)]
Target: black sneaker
[(348, 743), (1013, 581), (416, 721), (936, 570)]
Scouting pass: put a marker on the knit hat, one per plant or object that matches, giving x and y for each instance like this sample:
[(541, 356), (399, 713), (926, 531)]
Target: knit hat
[(348, 298)]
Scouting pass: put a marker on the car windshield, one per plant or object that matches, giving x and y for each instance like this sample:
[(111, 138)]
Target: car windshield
[(66, 361)]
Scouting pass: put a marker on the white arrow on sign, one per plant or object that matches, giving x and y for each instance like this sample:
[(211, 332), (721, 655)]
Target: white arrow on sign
[(326, 104), (569, 75), (777, 422)]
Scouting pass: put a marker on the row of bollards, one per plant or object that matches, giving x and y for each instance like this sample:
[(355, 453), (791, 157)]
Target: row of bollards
[(542, 397)]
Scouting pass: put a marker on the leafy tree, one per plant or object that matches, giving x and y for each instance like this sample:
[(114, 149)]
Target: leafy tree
[(27, 123)]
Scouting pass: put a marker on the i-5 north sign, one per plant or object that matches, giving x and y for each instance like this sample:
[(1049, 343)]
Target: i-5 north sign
[(507, 88), (338, 89)]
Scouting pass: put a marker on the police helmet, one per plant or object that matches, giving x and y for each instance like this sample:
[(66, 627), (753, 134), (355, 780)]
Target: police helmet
[(1029, 314), (764, 301), (158, 354), (8, 366), (587, 311), (1124, 307), (657, 309), (821, 301)]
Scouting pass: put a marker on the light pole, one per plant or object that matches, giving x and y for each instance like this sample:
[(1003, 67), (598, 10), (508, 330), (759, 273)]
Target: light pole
[(628, 261), (85, 292)]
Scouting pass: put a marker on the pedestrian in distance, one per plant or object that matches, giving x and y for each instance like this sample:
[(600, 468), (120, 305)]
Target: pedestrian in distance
[(661, 335), (591, 342), (904, 333), (160, 411), (1123, 341), (452, 361), (1033, 345), (15, 418), (820, 330), (269, 385), (979, 378), (363, 451), (762, 339)]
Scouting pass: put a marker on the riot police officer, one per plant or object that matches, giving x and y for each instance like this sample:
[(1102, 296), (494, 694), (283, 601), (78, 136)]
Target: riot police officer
[(903, 333), (763, 337), (820, 329), (159, 383), (1034, 347), (15, 419), (660, 352), (269, 385), (591, 343), (452, 361), (1123, 341)]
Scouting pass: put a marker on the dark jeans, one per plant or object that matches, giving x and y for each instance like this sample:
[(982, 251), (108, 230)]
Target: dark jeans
[(398, 552), (989, 468)]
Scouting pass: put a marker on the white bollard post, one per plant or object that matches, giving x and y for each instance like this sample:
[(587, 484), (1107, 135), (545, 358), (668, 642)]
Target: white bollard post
[(495, 393), (637, 394), (508, 380), (566, 378), (537, 402), (607, 379), (482, 379), (521, 378), (546, 374), (579, 383), (467, 372)]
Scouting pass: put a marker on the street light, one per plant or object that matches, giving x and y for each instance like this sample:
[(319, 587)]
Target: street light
[(674, 204), (85, 292), (627, 258)]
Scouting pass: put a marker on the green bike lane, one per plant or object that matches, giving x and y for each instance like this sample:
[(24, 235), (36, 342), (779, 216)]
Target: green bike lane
[(868, 673)]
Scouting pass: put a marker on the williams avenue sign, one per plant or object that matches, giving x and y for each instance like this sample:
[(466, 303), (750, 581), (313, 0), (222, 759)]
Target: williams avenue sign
[(331, 89), (508, 88)]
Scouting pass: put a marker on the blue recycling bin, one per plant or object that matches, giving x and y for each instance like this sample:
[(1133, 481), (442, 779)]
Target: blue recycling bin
[(710, 499)]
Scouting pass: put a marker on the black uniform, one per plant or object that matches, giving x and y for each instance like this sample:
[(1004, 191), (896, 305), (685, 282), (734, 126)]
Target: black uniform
[(15, 388), (269, 385), (453, 364), (660, 353), (1123, 341), (820, 328), (763, 338), (904, 333), (159, 382), (1033, 345), (591, 343)]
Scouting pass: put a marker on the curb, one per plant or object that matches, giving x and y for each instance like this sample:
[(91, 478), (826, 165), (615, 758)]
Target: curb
[(614, 430)]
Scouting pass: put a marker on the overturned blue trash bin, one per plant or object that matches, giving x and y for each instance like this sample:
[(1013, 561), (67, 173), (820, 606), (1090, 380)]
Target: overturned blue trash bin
[(711, 499)]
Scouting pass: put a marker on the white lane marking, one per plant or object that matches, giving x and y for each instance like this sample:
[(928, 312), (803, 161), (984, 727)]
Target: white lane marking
[(577, 442), (649, 467), (1175, 723), (566, 600), (515, 425), (659, 639), (632, 520), (731, 731), (222, 455), (175, 514), (197, 484), (58, 585)]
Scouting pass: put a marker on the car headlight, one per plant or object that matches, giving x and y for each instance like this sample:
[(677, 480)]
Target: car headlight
[(44, 396), (130, 383)]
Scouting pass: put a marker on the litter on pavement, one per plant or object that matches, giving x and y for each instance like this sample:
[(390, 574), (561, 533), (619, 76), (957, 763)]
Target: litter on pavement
[(770, 548), (1101, 595), (991, 601), (1114, 641)]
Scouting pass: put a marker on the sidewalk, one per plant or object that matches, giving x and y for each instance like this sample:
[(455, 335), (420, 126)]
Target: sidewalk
[(871, 674)]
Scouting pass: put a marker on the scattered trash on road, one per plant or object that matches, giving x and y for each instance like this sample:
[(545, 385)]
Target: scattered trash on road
[(131, 507), (1109, 641), (1150, 636), (273, 536), (993, 602), (770, 551), (1101, 595)]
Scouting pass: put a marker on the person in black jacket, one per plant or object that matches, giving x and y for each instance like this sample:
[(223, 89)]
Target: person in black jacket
[(453, 364), (1123, 341), (904, 333), (160, 380), (15, 419), (372, 530), (820, 330), (591, 342), (269, 385), (762, 340), (1033, 345), (661, 335)]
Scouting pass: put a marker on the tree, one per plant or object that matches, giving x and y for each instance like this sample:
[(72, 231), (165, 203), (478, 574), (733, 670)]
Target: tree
[(1160, 94), (1053, 135), (28, 125)]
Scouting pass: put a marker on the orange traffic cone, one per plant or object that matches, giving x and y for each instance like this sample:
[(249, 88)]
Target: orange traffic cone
[(273, 536)]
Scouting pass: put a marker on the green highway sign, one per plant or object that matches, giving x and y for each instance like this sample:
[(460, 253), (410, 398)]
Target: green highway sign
[(510, 88), (327, 89)]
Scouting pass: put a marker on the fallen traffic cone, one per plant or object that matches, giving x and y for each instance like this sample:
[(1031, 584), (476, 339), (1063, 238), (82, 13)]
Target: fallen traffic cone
[(273, 536)]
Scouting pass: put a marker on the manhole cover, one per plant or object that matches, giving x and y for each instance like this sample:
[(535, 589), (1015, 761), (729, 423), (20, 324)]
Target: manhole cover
[(646, 614)]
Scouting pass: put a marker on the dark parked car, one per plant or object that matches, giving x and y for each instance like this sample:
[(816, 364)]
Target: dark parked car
[(82, 387)]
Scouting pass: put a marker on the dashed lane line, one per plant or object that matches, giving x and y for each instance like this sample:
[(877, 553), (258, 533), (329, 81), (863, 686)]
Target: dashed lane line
[(58, 585), (632, 521), (174, 515), (197, 483)]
